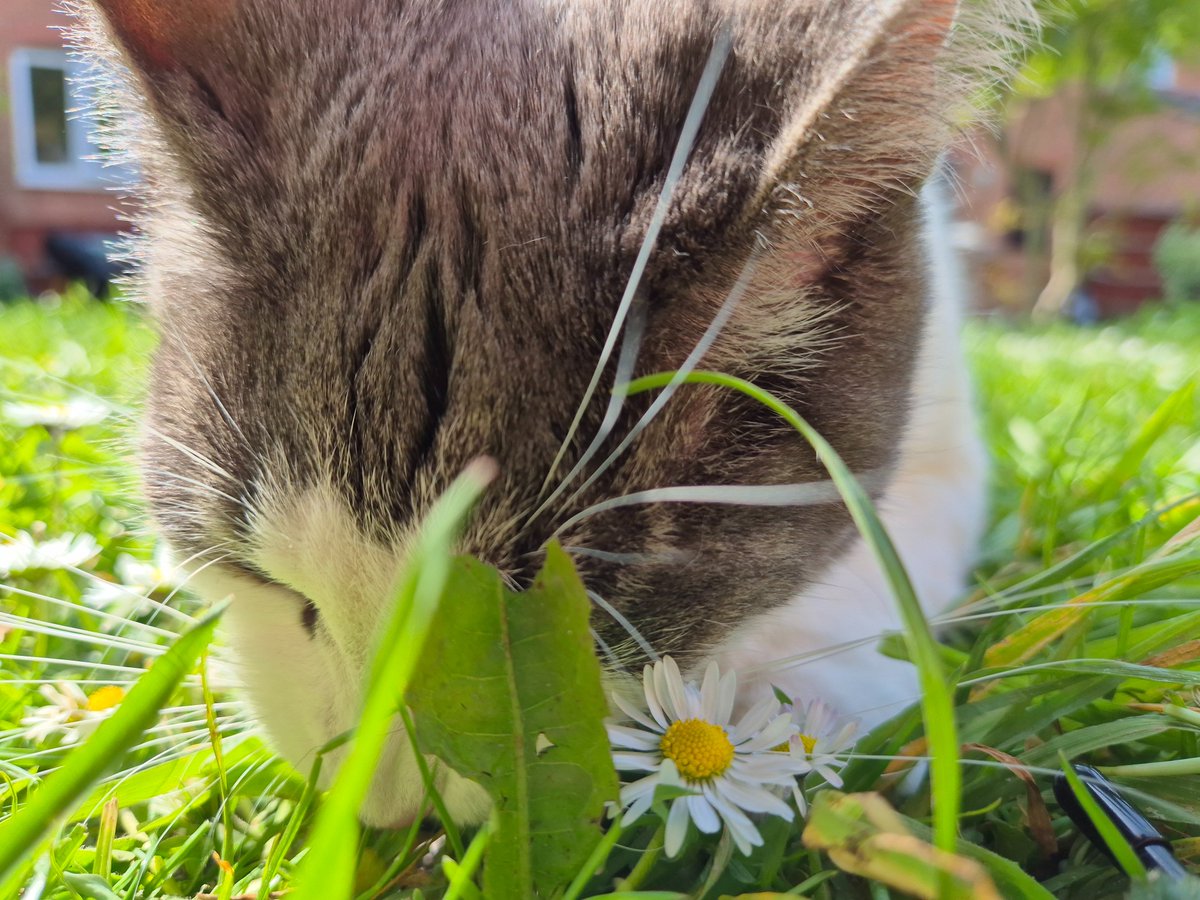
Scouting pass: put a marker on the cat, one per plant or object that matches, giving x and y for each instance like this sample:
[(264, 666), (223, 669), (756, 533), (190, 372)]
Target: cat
[(383, 238)]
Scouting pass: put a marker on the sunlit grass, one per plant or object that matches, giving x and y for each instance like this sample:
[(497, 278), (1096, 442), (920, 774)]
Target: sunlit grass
[(1080, 638)]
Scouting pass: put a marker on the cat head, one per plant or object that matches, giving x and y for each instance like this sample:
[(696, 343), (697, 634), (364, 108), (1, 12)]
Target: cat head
[(385, 238)]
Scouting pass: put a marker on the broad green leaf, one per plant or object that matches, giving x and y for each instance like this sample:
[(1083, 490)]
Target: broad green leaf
[(24, 830), (508, 694)]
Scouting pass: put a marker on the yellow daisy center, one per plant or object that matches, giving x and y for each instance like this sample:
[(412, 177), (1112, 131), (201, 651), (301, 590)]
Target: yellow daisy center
[(699, 749), (105, 698), (808, 741)]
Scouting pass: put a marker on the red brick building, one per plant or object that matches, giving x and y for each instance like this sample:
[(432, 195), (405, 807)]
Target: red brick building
[(1146, 172), (51, 178)]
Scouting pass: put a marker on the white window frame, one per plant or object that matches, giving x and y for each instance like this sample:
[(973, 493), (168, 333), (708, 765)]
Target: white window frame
[(83, 170)]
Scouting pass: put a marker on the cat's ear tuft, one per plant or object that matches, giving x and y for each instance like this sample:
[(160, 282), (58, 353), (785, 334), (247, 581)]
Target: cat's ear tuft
[(159, 35)]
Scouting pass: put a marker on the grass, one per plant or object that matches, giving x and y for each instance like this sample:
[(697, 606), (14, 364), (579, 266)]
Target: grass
[(1078, 639)]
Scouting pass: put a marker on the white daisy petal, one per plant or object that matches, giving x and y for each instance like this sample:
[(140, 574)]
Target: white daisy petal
[(754, 720), (632, 738), (775, 733), (800, 799), (677, 822), (727, 695), (745, 835), (752, 770), (834, 779), (649, 688), (755, 800), (703, 814), (631, 710), (635, 790), (710, 694), (670, 683), (669, 774), (636, 762)]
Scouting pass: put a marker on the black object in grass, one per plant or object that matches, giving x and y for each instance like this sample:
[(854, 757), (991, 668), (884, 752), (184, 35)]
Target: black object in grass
[(1151, 847)]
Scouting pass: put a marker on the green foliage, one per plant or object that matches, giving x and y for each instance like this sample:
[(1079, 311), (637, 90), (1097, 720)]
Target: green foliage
[(509, 696), (1107, 42), (1078, 638), (22, 832), (1177, 258)]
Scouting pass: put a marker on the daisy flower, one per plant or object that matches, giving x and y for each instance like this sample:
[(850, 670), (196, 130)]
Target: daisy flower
[(137, 581), (684, 739), (70, 712), (66, 416), (819, 744), (24, 553)]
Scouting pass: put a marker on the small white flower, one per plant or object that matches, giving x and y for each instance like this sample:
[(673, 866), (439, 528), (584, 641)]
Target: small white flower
[(686, 741), (69, 712), (24, 554), (67, 416), (137, 581), (820, 744)]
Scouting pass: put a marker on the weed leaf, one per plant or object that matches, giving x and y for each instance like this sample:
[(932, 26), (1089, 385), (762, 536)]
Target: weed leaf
[(508, 694)]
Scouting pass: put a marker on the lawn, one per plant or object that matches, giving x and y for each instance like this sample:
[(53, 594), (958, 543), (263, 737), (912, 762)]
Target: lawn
[(1080, 641)]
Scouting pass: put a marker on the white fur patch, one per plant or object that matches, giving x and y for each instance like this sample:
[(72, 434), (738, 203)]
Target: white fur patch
[(306, 689)]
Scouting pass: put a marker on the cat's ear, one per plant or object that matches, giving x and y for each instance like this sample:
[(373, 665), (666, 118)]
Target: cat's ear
[(880, 103), (165, 35)]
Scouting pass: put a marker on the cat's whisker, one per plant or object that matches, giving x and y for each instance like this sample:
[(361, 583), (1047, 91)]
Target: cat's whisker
[(715, 327), (173, 735), (618, 617), (70, 663), (165, 604), (783, 663), (169, 755), (60, 474), (199, 488), (221, 408), (83, 635), (127, 413), (82, 608), (683, 148), (190, 681)]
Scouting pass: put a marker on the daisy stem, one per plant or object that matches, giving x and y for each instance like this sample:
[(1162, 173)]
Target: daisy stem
[(649, 857), (595, 861)]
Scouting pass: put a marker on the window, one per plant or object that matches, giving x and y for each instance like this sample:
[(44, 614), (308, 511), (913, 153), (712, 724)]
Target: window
[(53, 122), (1161, 74)]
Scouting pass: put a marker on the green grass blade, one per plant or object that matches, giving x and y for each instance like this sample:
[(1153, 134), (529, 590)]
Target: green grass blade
[(1112, 837), (461, 873), (937, 700), (328, 869), (27, 827)]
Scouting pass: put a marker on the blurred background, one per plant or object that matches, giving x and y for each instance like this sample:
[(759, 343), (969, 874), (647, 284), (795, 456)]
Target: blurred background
[(1081, 201)]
